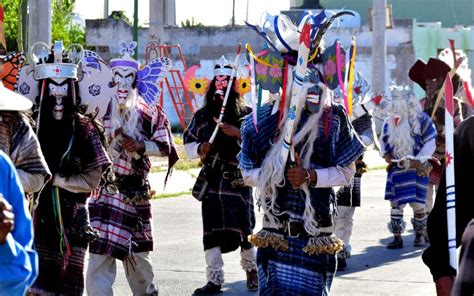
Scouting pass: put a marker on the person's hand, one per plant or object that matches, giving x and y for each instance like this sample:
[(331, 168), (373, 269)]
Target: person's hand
[(204, 149), (444, 285), (298, 175), (415, 164), (228, 129), (388, 158), (7, 219), (131, 145), (118, 132)]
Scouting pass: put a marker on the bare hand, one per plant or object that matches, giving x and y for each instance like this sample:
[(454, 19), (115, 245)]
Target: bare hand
[(415, 163), (7, 219), (388, 158), (444, 285), (204, 149), (132, 145), (118, 132), (228, 129), (297, 175)]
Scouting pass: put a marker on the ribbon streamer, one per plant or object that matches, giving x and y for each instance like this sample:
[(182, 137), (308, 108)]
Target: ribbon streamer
[(339, 73), (253, 90), (350, 87)]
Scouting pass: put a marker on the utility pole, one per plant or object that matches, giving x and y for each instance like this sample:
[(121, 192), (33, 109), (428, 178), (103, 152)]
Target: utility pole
[(135, 26), (233, 13), (156, 22), (106, 9), (39, 22), (379, 45)]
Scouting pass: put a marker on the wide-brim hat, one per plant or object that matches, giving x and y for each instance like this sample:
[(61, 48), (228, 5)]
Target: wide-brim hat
[(11, 101), (434, 69)]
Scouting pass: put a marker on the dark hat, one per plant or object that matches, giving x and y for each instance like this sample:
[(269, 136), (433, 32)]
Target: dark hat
[(434, 69)]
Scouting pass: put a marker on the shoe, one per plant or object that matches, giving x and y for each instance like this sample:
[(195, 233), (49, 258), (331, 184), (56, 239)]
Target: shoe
[(397, 243), (341, 264), (208, 289), (252, 280), (421, 239)]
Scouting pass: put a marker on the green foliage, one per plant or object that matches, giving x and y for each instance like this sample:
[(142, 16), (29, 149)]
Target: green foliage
[(61, 23), (191, 24), (62, 26), (11, 12), (120, 15)]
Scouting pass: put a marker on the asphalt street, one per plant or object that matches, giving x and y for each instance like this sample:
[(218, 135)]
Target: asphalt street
[(373, 270)]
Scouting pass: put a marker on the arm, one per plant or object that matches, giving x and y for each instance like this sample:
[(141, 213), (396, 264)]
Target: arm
[(427, 150), (30, 182), (334, 176), (17, 257), (86, 182)]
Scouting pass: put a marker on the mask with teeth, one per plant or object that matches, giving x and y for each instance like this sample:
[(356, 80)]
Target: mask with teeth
[(124, 77), (221, 83), (313, 97), (59, 91)]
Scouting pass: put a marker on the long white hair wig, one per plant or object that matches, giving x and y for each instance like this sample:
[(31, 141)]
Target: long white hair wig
[(403, 123), (272, 171)]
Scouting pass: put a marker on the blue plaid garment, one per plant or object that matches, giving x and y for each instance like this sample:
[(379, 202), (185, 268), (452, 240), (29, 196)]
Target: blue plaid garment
[(295, 272), (405, 186)]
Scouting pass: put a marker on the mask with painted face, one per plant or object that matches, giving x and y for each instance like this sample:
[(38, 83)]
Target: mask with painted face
[(59, 91), (124, 78), (315, 92), (221, 83)]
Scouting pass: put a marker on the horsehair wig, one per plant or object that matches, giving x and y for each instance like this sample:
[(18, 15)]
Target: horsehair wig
[(272, 172)]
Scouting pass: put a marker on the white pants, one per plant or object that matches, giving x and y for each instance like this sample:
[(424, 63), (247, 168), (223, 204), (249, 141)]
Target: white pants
[(430, 196), (344, 222), (214, 263), (102, 270)]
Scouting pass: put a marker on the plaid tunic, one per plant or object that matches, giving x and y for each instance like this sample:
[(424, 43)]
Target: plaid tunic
[(295, 272), (126, 227), (227, 210), (19, 142), (60, 273), (405, 186)]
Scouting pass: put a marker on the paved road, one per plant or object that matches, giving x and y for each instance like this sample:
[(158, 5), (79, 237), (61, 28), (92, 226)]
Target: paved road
[(373, 270)]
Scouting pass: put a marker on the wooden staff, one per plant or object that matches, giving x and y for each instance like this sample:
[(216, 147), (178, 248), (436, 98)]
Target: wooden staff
[(297, 93), (226, 97)]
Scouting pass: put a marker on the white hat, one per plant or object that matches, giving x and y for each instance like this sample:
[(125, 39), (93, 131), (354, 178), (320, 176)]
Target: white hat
[(11, 101)]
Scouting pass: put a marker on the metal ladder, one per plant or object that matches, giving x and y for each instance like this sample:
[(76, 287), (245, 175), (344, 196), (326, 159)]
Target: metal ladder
[(184, 102)]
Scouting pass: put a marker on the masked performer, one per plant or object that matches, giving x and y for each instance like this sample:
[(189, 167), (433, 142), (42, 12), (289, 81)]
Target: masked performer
[(227, 205), (349, 197), (136, 128), (17, 138), (430, 76), (73, 150), (296, 247), (407, 144)]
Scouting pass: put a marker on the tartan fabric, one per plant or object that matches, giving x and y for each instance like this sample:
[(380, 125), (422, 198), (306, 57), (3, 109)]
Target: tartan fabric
[(227, 209), (365, 126), (19, 142), (349, 196), (405, 186), (294, 272), (71, 281), (126, 227), (62, 273)]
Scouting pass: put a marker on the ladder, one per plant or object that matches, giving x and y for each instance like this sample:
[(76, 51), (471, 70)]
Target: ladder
[(184, 103)]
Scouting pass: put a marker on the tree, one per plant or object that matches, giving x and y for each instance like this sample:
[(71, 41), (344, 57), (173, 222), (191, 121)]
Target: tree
[(191, 24), (61, 23), (120, 15), (11, 10)]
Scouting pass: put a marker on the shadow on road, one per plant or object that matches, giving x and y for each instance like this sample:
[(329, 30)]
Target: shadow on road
[(238, 288), (379, 255)]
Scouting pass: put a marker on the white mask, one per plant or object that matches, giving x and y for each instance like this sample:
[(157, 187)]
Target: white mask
[(124, 79), (59, 92)]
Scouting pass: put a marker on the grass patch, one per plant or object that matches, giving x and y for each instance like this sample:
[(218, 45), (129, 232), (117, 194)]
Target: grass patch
[(178, 140), (168, 195), (378, 167), (187, 164)]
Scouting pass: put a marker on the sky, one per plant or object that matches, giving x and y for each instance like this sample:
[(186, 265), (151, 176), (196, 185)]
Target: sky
[(208, 12)]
